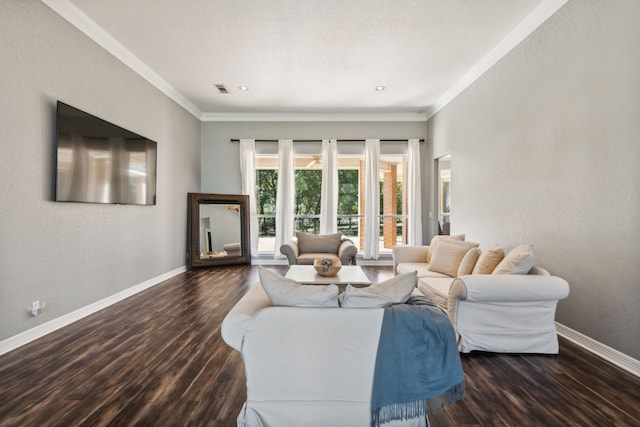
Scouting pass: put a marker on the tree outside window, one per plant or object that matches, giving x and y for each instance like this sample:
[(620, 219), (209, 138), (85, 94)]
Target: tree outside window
[(308, 190), (267, 185), (308, 200)]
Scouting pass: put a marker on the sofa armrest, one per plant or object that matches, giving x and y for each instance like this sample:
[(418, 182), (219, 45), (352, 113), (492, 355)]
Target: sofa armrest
[(508, 288), (405, 253), (290, 249), (347, 252), (237, 320)]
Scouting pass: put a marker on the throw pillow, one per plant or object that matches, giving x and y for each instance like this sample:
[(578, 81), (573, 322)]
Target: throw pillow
[(518, 261), (436, 239), (468, 262), (396, 290), (286, 292), (489, 259), (448, 255), (318, 243)]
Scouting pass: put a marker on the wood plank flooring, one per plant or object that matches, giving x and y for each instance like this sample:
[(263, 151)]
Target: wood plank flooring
[(157, 359)]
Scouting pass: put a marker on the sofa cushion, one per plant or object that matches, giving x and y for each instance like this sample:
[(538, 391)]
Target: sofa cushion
[(518, 261), (447, 256), (421, 268), (468, 262), (436, 239), (396, 290), (489, 259), (286, 292), (319, 243), (436, 289)]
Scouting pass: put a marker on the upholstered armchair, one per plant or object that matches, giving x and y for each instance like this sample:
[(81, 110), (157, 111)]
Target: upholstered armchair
[(307, 247)]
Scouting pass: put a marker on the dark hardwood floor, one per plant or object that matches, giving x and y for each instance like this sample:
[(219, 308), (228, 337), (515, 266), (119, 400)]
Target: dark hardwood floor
[(157, 359)]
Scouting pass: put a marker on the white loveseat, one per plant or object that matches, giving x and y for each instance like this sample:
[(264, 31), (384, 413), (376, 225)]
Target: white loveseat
[(300, 371), (496, 302)]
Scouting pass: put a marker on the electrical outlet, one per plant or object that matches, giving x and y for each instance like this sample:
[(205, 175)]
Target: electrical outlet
[(36, 308)]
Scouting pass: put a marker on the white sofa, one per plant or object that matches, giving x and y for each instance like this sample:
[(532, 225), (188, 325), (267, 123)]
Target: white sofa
[(299, 371), (503, 313)]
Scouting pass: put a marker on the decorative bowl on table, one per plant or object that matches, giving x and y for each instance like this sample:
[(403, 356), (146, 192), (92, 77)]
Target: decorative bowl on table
[(327, 267)]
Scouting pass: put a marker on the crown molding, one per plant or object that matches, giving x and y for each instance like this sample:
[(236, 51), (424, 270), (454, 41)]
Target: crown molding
[(313, 117), (527, 26), (89, 27)]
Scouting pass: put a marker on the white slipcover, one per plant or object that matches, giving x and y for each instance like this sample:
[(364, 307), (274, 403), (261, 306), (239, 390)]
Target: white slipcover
[(305, 366), (503, 313)]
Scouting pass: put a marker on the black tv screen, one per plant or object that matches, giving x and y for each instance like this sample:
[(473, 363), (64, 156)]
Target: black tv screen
[(99, 162)]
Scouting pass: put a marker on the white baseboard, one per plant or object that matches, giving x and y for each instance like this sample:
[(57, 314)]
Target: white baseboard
[(263, 259), (612, 355), (382, 262), (268, 260), (25, 337)]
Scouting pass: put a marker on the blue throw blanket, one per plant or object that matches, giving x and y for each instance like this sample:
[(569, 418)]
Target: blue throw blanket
[(418, 367)]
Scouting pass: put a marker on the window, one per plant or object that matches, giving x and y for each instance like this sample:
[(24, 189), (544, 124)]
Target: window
[(266, 187), (307, 206), (308, 181), (392, 200), (348, 200)]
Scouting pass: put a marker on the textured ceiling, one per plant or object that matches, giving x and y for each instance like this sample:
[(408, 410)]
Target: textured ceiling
[(307, 56)]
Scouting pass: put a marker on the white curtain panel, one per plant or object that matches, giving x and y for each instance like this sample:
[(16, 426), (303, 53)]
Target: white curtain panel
[(329, 192), (248, 177), (414, 197), (285, 195), (372, 199)]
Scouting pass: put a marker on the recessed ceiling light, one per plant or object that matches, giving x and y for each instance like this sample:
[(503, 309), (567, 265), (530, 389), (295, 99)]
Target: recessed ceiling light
[(380, 88), (243, 88)]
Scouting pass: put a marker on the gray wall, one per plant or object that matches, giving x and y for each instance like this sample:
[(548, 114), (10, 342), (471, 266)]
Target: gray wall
[(546, 149), (220, 158), (71, 254)]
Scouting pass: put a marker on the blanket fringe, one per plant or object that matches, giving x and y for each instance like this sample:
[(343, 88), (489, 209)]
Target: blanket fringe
[(418, 408)]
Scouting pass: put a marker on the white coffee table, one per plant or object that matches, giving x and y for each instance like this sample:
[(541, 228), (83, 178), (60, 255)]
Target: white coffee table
[(348, 275)]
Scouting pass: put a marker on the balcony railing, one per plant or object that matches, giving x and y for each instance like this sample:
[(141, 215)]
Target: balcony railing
[(348, 226)]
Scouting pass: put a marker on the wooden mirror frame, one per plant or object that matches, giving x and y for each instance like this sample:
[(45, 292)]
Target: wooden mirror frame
[(198, 199)]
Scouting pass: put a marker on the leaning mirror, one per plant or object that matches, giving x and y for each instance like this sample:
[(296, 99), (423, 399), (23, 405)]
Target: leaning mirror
[(218, 229)]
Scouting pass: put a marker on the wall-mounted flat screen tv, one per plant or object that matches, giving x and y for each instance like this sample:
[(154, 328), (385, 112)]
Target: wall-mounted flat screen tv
[(99, 162)]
